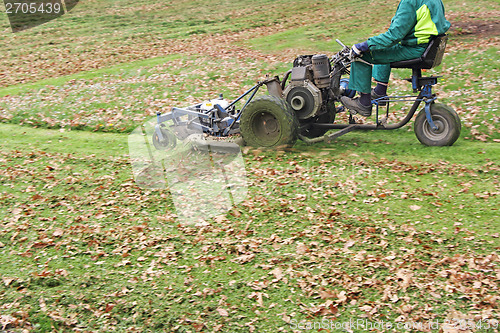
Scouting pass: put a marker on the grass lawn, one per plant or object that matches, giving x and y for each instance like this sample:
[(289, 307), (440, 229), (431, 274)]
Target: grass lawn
[(373, 228), (374, 223)]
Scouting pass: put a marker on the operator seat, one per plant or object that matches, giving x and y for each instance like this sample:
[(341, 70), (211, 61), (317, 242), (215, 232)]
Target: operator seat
[(432, 56)]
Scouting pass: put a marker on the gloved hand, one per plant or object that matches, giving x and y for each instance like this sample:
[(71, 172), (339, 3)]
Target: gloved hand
[(359, 48)]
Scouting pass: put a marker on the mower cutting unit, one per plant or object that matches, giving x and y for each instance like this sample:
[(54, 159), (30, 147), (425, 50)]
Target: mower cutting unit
[(216, 117), (303, 105)]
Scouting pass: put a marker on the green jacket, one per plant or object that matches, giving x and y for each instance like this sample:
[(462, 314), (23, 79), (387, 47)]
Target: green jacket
[(414, 23)]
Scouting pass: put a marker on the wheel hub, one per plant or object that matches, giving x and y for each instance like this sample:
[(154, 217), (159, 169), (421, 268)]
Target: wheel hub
[(438, 133), (266, 124)]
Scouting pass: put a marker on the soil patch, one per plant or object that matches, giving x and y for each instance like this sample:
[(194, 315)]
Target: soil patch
[(478, 28)]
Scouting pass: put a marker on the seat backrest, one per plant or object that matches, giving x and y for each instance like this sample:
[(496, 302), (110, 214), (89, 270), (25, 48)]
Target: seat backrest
[(433, 54)]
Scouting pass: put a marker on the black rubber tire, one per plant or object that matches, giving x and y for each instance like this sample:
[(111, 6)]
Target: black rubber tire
[(169, 140), (325, 118), (448, 122), (268, 121)]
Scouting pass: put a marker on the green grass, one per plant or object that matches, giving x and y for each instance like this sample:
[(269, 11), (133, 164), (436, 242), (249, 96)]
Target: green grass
[(100, 74), (374, 225), (78, 237)]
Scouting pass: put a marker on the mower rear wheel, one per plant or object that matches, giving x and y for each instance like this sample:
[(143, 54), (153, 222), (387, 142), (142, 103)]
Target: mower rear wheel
[(447, 122), (268, 121)]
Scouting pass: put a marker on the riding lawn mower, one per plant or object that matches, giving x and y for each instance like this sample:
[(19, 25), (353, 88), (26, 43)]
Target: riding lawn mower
[(304, 105)]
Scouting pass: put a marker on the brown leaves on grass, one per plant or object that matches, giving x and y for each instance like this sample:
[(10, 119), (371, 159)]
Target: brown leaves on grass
[(40, 64), (344, 272), (304, 245), (121, 102)]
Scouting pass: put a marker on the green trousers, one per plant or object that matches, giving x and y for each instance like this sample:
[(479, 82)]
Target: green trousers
[(361, 73)]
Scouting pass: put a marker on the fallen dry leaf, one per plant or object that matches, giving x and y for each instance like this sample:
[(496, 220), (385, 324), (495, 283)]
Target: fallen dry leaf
[(222, 312)]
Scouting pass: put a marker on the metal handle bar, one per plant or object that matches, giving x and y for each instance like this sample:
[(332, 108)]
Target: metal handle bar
[(341, 44)]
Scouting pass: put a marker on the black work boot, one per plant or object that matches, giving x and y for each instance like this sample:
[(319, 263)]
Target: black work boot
[(354, 105), (381, 101)]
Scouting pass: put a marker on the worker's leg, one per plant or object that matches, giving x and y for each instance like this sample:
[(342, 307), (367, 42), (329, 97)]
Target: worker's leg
[(361, 73), (381, 74), (361, 76), (382, 59)]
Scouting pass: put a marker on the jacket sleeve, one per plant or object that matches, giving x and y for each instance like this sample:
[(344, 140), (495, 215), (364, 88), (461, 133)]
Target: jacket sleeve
[(402, 24)]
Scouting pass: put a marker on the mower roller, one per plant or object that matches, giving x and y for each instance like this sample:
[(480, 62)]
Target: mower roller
[(303, 106)]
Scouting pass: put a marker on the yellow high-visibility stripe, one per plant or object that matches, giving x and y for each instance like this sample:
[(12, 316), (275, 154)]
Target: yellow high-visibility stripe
[(424, 27)]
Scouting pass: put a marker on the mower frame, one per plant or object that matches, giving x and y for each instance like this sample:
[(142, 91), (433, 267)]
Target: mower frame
[(419, 83)]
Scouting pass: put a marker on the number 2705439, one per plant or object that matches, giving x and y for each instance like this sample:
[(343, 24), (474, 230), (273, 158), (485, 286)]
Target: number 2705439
[(32, 8)]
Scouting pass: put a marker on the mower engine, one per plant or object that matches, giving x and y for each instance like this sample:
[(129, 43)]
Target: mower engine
[(215, 109), (309, 92)]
